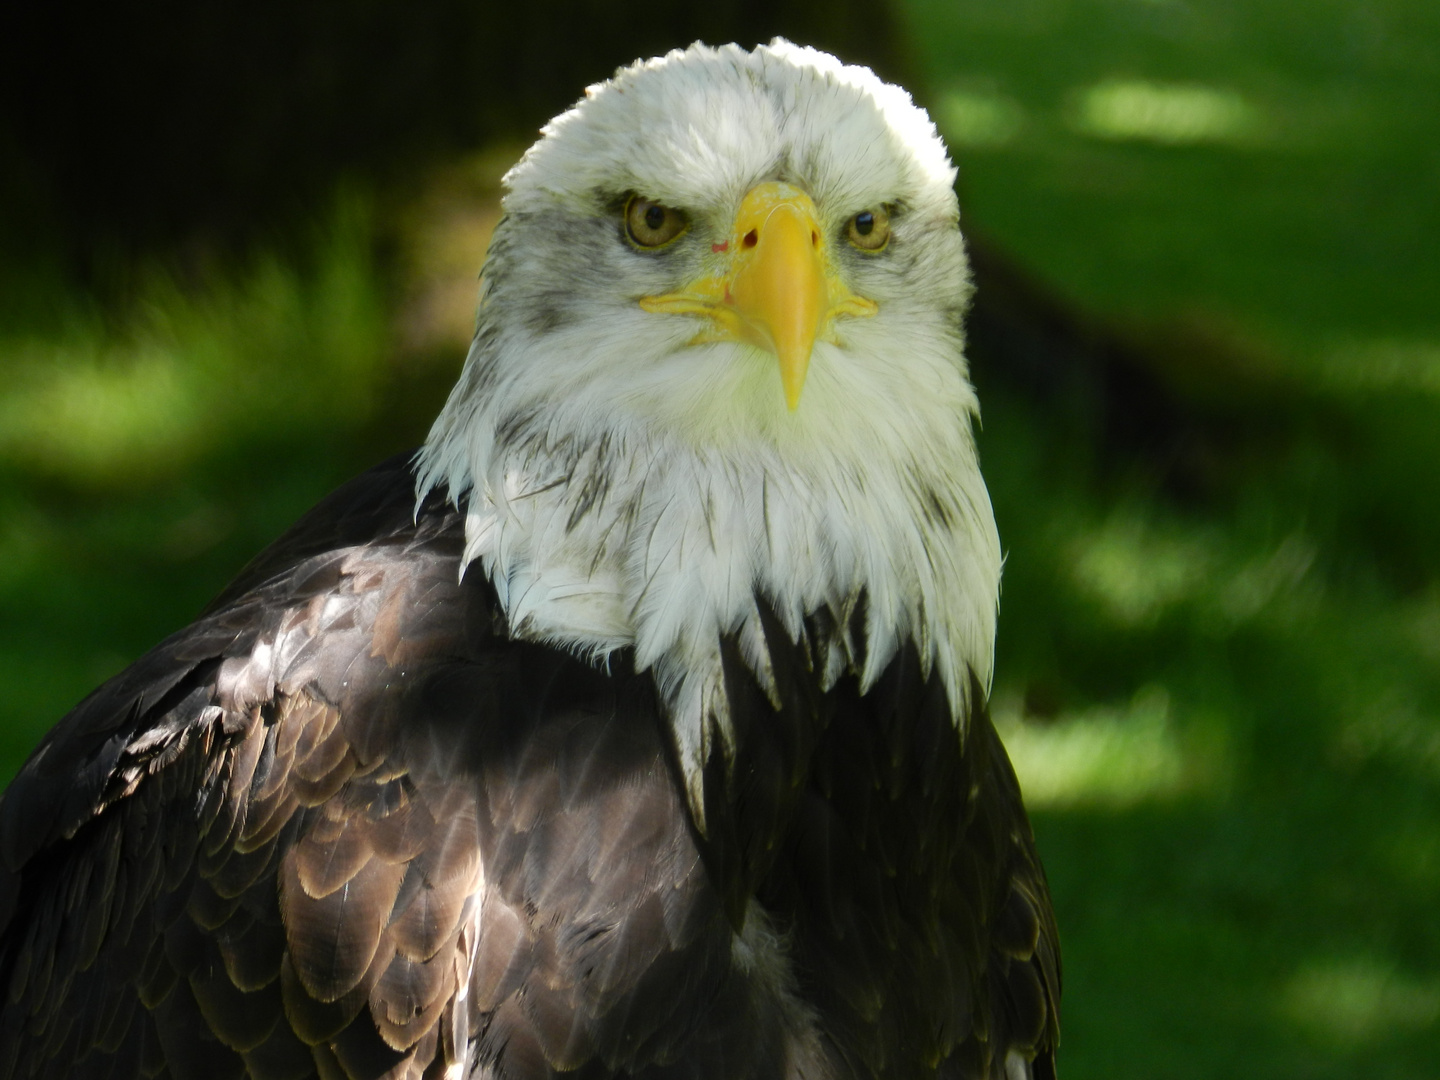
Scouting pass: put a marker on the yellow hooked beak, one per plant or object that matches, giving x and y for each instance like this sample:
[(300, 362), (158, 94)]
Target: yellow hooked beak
[(777, 290)]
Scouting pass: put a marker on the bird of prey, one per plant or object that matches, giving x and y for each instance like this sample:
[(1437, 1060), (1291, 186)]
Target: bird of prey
[(634, 727)]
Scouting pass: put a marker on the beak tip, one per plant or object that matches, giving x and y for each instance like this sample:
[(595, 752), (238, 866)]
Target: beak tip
[(792, 377)]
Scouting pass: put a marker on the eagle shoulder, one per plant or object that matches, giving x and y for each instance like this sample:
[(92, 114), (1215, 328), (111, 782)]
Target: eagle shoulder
[(142, 843)]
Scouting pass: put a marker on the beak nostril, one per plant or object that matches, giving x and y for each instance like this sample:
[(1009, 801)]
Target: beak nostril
[(814, 238), (751, 239)]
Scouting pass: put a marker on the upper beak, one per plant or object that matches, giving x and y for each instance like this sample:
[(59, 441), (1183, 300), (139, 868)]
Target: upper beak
[(777, 291)]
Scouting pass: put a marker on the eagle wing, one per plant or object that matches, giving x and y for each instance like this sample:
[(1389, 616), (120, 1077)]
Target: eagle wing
[(143, 842), (257, 851)]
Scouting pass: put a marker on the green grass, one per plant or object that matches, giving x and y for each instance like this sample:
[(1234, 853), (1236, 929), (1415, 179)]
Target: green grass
[(1314, 220), (1226, 709), (149, 449)]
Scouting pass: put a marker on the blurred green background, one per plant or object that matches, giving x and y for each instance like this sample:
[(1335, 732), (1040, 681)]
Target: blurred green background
[(238, 268)]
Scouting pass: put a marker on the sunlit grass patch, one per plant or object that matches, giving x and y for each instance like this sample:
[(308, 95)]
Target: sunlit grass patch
[(975, 119), (1136, 568), (1134, 571), (1171, 113), (1113, 756), (97, 414), (188, 368), (1384, 365), (1359, 1000)]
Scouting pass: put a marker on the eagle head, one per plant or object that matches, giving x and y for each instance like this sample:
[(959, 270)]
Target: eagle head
[(719, 366)]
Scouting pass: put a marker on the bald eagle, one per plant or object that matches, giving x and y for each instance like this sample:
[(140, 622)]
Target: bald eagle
[(636, 726)]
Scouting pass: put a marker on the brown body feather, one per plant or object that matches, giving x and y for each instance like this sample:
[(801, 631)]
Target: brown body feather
[(345, 826)]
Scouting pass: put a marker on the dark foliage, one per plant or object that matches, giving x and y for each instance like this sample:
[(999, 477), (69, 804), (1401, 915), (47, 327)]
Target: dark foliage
[(149, 125)]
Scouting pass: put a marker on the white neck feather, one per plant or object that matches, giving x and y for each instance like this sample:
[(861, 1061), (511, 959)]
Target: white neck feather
[(622, 536)]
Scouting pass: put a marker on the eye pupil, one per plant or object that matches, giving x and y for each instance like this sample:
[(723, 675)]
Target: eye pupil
[(655, 217), (864, 222)]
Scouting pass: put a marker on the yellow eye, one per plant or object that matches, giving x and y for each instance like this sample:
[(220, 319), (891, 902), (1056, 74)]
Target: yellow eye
[(650, 225), (869, 230)]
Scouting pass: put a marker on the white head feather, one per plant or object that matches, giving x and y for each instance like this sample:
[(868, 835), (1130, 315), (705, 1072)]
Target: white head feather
[(628, 488)]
